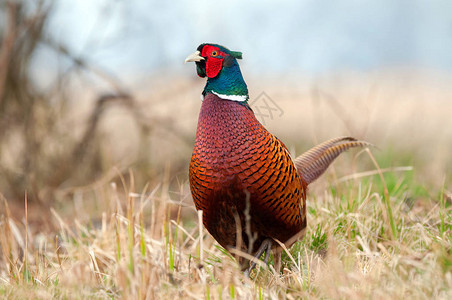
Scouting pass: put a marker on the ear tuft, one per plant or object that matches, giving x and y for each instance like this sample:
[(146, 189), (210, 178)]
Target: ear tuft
[(236, 54)]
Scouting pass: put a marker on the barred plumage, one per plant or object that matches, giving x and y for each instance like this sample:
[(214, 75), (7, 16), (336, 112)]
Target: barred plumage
[(236, 160)]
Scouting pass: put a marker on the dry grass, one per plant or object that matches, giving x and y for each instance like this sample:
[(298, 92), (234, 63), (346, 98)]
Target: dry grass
[(150, 245)]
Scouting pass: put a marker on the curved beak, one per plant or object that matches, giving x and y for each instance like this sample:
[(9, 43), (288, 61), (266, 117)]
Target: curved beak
[(194, 57)]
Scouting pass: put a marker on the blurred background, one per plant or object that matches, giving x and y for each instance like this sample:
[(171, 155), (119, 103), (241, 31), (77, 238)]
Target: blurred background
[(93, 92)]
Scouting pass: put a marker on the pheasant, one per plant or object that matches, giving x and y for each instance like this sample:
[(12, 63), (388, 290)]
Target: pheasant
[(241, 176)]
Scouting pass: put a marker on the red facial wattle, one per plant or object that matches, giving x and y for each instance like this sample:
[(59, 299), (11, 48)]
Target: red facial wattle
[(214, 60)]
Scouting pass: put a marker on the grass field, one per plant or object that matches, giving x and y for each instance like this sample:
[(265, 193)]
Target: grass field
[(379, 221)]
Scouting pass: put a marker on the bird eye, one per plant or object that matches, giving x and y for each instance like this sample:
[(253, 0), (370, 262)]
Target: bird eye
[(214, 53)]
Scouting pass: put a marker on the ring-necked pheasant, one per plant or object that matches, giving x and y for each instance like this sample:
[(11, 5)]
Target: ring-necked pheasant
[(242, 177)]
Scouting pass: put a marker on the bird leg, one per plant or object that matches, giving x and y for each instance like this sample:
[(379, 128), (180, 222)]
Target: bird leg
[(277, 260), (266, 247)]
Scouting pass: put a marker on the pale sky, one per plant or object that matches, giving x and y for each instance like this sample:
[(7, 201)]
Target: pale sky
[(306, 37)]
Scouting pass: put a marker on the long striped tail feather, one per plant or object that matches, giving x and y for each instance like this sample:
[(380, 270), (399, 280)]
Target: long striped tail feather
[(314, 162)]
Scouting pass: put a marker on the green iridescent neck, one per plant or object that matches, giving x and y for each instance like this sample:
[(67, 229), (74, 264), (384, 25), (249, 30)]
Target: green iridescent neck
[(229, 84)]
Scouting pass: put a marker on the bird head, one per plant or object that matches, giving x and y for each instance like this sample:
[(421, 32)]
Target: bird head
[(212, 58), (220, 66)]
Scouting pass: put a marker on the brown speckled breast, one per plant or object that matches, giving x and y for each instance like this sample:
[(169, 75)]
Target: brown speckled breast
[(241, 172)]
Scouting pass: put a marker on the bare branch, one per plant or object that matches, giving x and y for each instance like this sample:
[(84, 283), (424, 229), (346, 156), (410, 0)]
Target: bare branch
[(8, 43)]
